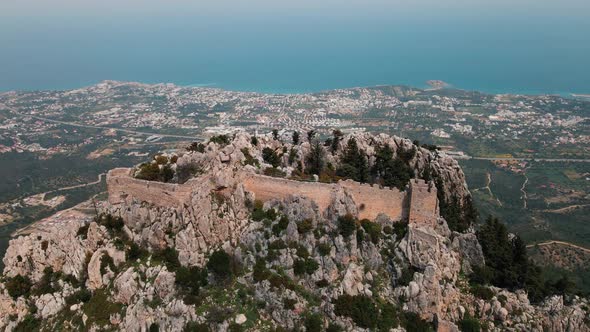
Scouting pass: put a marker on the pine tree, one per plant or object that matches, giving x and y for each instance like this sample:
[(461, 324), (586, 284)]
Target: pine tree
[(315, 159), (295, 138)]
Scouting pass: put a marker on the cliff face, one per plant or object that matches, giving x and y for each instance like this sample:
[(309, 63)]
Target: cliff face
[(220, 260)]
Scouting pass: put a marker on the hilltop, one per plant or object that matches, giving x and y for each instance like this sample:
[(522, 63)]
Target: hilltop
[(283, 233)]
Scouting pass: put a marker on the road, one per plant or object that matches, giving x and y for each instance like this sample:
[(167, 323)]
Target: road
[(525, 159), (80, 185), (129, 131), (558, 242)]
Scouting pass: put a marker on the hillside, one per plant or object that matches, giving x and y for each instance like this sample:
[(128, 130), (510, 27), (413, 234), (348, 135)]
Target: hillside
[(245, 233)]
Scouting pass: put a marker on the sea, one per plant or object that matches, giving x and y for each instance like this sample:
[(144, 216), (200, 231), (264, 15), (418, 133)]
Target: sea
[(308, 53)]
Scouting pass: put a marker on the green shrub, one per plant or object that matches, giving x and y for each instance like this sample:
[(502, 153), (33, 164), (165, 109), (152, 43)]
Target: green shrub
[(274, 172), (271, 214), (388, 317), (83, 231), (360, 308), (258, 213), (400, 229), (322, 283), (161, 160), (482, 292), (313, 323), (469, 324), (270, 156), (302, 252), (186, 171), (99, 309), (407, 275), (292, 156), (45, 284), (299, 267), (412, 322), (388, 230), (303, 266), (196, 147), (106, 261), (360, 235), (154, 327), (311, 265), (289, 304), (222, 140), (305, 226), (334, 328), (168, 257), (218, 315), (254, 140), (280, 226), (113, 224), (277, 245), (346, 225), (135, 252), (18, 286), (373, 229), (30, 323), (324, 249), (190, 280), (249, 160), (234, 327), (80, 296), (220, 265), (148, 171), (196, 327)]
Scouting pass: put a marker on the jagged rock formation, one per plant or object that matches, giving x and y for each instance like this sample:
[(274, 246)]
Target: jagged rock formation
[(221, 260)]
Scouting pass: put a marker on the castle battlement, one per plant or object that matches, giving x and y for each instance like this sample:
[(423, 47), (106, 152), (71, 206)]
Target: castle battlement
[(371, 200)]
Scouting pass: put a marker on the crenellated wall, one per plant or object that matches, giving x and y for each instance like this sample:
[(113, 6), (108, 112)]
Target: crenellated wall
[(423, 203), (371, 200), (121, 185)]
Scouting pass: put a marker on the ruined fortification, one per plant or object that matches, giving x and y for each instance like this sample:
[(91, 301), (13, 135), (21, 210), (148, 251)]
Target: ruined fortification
[(419, 203)]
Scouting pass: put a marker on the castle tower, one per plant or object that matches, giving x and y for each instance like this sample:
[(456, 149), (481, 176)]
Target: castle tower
[(424, 208)]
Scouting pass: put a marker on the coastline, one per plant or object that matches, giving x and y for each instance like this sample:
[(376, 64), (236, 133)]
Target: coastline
[(426, 86)]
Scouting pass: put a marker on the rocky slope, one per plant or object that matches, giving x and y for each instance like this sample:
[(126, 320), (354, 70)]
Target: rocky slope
[(228, 262)]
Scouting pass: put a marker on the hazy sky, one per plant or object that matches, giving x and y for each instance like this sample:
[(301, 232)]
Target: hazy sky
[(23, 8), (294, 45)]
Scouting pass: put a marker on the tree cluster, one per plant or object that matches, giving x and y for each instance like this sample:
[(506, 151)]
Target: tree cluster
[(508, 266)]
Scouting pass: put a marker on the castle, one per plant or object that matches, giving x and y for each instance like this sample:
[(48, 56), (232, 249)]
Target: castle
[(419, 204)]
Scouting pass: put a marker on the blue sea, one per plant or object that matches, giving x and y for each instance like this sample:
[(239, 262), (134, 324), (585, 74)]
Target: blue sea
[(306, 53)]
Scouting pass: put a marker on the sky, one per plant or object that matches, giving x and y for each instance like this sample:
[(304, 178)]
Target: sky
[(45, 8), (497, 45)]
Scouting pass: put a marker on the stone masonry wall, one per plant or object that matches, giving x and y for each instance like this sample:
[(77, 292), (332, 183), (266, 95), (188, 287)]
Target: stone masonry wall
[(423, 203), (121, 186), (370, 200)]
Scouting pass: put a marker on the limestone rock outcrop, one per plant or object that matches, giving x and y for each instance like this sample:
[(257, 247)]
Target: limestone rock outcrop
[(203, 254)]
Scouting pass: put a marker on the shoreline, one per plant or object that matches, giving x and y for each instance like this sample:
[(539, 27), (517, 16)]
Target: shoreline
[(425, 86)]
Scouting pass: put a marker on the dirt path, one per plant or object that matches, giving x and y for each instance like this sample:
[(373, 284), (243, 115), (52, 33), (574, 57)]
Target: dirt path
[(568, 208), (547, 243), (487, 187), (524, 196), (81, 185)]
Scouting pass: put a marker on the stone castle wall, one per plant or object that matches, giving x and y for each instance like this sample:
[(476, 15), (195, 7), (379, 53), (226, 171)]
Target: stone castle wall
[(423, 203), (121, 186), (370, 200)]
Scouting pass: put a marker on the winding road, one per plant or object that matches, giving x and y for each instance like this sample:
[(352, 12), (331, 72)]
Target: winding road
[(524, 159), (129, 131), (546, 243)]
